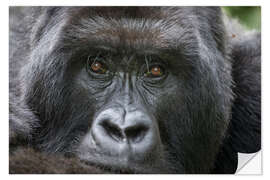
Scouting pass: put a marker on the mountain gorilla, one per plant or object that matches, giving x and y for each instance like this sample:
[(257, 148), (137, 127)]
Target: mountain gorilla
[(131, 90)]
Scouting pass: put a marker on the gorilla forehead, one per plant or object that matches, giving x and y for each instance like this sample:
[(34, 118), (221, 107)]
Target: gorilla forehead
[(134, 33)]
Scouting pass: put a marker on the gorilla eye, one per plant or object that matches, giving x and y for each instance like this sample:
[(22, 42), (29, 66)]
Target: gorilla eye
[(98, 67), (154, 71)]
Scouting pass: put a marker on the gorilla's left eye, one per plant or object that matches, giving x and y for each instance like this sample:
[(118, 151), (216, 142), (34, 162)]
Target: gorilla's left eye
[(154, 71)]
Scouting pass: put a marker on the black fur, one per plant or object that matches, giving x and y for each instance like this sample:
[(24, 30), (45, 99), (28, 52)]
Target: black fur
[(206, 109)]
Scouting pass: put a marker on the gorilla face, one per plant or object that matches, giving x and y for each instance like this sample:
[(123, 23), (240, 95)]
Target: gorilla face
[(134, 90), (123, 130), (129, 92)]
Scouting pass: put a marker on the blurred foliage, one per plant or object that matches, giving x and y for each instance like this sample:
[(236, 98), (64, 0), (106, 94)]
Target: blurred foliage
[(249, 16)]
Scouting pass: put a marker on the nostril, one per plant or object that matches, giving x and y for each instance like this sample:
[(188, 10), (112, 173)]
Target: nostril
[(136, 133), (112, 130)]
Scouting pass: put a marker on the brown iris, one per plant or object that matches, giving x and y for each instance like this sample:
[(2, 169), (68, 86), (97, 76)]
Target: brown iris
[(98, 67), (154, 71)]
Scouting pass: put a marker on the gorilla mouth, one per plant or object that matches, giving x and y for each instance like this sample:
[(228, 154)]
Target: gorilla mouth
[(111, 164), (111, 169), (116, 168)]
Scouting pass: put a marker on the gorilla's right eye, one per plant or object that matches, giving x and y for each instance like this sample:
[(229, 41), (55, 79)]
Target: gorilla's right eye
[(96, 65)]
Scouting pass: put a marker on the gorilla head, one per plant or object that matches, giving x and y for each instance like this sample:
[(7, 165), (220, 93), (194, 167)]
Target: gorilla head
[(136, 89)]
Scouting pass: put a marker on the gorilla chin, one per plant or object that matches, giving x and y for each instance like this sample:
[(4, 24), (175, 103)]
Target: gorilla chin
[(126, 164)]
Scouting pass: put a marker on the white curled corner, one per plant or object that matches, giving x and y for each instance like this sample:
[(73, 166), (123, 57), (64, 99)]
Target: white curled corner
[(249, 163)]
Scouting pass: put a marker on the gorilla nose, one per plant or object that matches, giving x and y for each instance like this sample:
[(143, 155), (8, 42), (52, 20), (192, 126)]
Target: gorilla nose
[(121, 132), (133, 133)]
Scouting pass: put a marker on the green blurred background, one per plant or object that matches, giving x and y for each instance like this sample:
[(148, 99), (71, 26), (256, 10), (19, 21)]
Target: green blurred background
[(249, 16)]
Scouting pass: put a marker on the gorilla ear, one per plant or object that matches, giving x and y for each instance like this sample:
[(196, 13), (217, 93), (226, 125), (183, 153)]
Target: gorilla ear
[(244, 132), (245, 127)]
